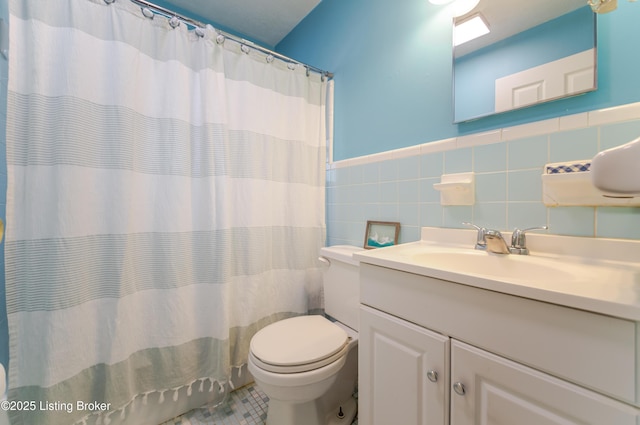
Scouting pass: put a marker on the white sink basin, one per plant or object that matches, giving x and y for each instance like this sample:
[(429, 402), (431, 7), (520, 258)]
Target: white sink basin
[(514, 268), (592, 274)]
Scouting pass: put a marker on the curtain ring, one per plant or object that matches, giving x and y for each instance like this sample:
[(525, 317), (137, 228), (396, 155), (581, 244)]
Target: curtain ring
[(245, 49), (220, 39), (148, 13), (109, 1), (174, 22), (269, 58), (200, 32), (291, 66)]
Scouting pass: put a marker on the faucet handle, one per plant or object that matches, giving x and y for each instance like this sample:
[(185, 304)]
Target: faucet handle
[(519, 241), (481, 242), (466, 223)]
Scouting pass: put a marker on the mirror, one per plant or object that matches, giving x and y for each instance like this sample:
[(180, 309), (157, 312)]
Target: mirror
[(536, 51)]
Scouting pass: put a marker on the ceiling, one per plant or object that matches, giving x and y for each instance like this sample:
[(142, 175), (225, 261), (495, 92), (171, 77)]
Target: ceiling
[(264, 21), (509, 17)]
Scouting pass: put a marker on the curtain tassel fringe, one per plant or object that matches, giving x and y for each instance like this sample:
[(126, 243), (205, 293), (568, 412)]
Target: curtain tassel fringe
[(104, 418)]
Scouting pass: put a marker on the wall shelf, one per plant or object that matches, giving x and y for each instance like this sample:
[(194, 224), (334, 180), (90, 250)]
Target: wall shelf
[(575, 188), (456, 189)]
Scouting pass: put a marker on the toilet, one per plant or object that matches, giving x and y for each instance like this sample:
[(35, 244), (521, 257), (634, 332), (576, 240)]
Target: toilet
[(308, 365)]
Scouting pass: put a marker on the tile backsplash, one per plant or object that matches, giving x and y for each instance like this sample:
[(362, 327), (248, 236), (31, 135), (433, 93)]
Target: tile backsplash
[(508, 164)]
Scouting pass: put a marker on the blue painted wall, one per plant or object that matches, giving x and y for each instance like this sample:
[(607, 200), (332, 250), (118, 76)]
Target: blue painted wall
[(393, 81), (390, 60), (476, 72)]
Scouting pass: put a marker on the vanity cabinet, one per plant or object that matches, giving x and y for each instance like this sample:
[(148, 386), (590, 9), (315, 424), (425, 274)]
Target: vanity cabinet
[(494, 390), (499, 359), (404, 368)]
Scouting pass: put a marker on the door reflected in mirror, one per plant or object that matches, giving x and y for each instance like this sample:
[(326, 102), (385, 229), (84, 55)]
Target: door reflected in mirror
[(533, 52)]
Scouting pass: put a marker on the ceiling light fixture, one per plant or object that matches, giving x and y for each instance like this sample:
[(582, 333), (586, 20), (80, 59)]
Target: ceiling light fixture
[(603, 6), (470, 29)]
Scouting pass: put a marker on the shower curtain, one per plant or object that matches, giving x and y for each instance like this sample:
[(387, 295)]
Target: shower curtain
[(165, 201)]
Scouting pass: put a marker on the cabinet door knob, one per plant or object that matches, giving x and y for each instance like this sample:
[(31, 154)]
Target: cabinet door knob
[(459, 388), (432, 375)]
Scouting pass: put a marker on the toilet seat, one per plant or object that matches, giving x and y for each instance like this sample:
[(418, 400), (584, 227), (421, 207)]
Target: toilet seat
[(298, 344)]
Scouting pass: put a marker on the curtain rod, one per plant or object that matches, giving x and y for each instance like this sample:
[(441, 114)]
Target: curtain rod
[(243, 41)]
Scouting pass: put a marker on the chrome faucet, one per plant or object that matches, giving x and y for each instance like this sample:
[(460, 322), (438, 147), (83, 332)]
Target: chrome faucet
[(481, 243), (519, 241), (493, 241), (496, 243)]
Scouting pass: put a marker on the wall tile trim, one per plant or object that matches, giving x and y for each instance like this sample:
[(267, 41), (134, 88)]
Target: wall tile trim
[(627, 112), (478, 139), (599, 117)]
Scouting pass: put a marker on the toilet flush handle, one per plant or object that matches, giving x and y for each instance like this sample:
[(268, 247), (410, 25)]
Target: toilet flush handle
[(325, 260)]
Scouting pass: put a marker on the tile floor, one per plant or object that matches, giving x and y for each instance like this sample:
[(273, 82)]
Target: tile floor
[(246, 406)]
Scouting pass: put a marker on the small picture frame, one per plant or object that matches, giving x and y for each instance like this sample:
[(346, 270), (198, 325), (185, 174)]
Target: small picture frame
[(380, 234)]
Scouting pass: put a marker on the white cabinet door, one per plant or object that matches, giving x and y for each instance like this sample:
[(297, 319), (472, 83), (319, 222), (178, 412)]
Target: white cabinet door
[(500, 392), (398, 363)]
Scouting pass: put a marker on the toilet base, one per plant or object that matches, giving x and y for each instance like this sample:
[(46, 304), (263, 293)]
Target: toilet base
[(349, 410), (310, 413)]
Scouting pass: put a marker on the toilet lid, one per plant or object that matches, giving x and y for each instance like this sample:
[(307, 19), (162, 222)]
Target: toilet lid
[(298, 340)]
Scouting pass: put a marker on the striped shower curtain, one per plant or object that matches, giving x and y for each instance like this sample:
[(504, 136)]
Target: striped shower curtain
[(165, 201)]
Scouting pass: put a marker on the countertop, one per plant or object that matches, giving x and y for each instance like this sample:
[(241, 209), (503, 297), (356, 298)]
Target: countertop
[(599, 276)]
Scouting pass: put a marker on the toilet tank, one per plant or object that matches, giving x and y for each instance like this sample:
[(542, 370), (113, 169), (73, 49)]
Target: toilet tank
[(342, 284)]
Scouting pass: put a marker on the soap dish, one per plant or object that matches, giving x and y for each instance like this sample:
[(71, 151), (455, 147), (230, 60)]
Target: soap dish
[(456, 189)]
